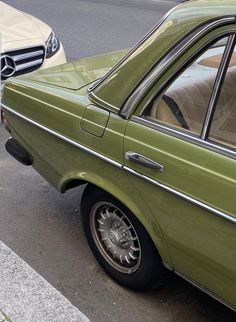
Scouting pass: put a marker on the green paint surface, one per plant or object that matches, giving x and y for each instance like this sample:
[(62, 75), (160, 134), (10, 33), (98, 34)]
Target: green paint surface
[(191, 240)]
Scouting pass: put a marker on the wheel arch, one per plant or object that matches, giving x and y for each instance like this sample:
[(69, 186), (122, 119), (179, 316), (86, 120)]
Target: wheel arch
[(136, 205), (72, 183)]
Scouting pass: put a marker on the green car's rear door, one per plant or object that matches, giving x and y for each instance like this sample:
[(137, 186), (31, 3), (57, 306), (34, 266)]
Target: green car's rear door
[(202, 244), (189, 182)]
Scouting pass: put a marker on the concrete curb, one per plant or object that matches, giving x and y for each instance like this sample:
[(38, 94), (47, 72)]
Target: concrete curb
[(25, 296)]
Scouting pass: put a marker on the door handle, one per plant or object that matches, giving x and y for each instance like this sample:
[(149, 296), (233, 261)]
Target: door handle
[(144, 161)]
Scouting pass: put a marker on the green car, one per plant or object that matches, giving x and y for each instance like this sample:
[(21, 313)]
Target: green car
[(152, 132)]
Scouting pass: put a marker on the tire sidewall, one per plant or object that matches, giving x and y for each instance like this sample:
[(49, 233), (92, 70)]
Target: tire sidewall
[(150, 268)]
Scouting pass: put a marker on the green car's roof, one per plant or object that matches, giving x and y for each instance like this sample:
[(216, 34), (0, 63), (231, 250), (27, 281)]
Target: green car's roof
[(185, 17)]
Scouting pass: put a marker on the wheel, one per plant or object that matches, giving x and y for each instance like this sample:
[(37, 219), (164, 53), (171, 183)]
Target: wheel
[(119, 241)]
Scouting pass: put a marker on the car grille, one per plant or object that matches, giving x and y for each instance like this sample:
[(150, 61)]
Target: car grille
[(21, 61)]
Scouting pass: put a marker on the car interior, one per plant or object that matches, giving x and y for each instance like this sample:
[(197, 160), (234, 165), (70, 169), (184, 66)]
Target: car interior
[(185, 102)]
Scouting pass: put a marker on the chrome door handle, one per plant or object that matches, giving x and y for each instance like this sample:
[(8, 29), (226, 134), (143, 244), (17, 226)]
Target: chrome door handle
[(144, 161)]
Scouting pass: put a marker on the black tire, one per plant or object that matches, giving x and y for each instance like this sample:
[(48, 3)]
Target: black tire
[(140, 272)]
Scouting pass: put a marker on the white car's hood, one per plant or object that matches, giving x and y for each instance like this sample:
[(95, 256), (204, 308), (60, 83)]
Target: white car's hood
[(17, 26)]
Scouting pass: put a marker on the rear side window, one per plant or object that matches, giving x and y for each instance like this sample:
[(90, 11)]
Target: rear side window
[(223, 127), (185, 102)]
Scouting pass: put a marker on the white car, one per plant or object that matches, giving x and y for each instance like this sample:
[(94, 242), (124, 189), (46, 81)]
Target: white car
[(26, 43)]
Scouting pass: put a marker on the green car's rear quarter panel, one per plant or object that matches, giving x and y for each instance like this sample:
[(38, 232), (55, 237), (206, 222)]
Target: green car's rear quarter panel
[(61, 162), (196, 243), (197, 240)]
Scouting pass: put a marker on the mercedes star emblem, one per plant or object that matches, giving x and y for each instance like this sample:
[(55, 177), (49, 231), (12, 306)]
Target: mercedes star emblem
[(8, 66)]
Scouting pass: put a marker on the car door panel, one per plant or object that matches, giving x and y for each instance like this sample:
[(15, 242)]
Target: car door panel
[(202, 245)]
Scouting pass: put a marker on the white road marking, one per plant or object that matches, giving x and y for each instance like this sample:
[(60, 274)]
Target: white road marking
[(25, 296)]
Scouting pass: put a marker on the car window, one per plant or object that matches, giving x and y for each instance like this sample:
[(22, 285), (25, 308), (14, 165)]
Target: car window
[(223, 127), (185, 102)]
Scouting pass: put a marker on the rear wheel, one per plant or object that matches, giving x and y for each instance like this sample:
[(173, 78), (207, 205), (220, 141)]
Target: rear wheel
[(119, 241)]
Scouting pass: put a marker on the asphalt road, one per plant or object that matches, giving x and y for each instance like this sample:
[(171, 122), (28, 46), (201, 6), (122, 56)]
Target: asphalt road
[(90, 27), (43, 227)]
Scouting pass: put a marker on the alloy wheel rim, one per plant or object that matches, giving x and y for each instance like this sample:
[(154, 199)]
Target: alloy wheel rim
[(115, 237)]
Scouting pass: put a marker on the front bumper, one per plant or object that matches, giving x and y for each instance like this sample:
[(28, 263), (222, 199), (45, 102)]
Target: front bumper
[(17, 152)]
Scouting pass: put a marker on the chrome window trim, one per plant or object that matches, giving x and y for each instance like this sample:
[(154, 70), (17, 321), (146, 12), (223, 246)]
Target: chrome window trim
[(179, 48), (184, 196), (62, 137), (220, 77), (184, 135), (140, 42), (185, 65), (101, 101)]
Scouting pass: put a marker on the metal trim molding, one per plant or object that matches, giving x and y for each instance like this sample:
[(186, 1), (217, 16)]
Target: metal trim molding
[(200, 287), (183, 196), (154, 124), (63, 138), (161, 65), (153, 29)]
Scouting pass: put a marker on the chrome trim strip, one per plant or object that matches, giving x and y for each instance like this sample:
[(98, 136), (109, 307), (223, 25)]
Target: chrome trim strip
[(173, 54), (133, 49), (200, 287), (183, 196), (217, 85), (205, 290), (196, 202), (182, 66), (168, 266), (22, 48), (62, 137), (99, 100), (29, 64), (28, 55), (184, 135)]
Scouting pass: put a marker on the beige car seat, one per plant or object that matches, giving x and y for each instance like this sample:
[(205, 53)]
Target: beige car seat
[(192, 102)]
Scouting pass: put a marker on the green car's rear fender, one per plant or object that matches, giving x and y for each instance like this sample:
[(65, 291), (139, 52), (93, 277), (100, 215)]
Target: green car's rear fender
[(65, 165)]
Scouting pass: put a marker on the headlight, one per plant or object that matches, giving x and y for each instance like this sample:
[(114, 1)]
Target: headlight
[(52, 45)]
